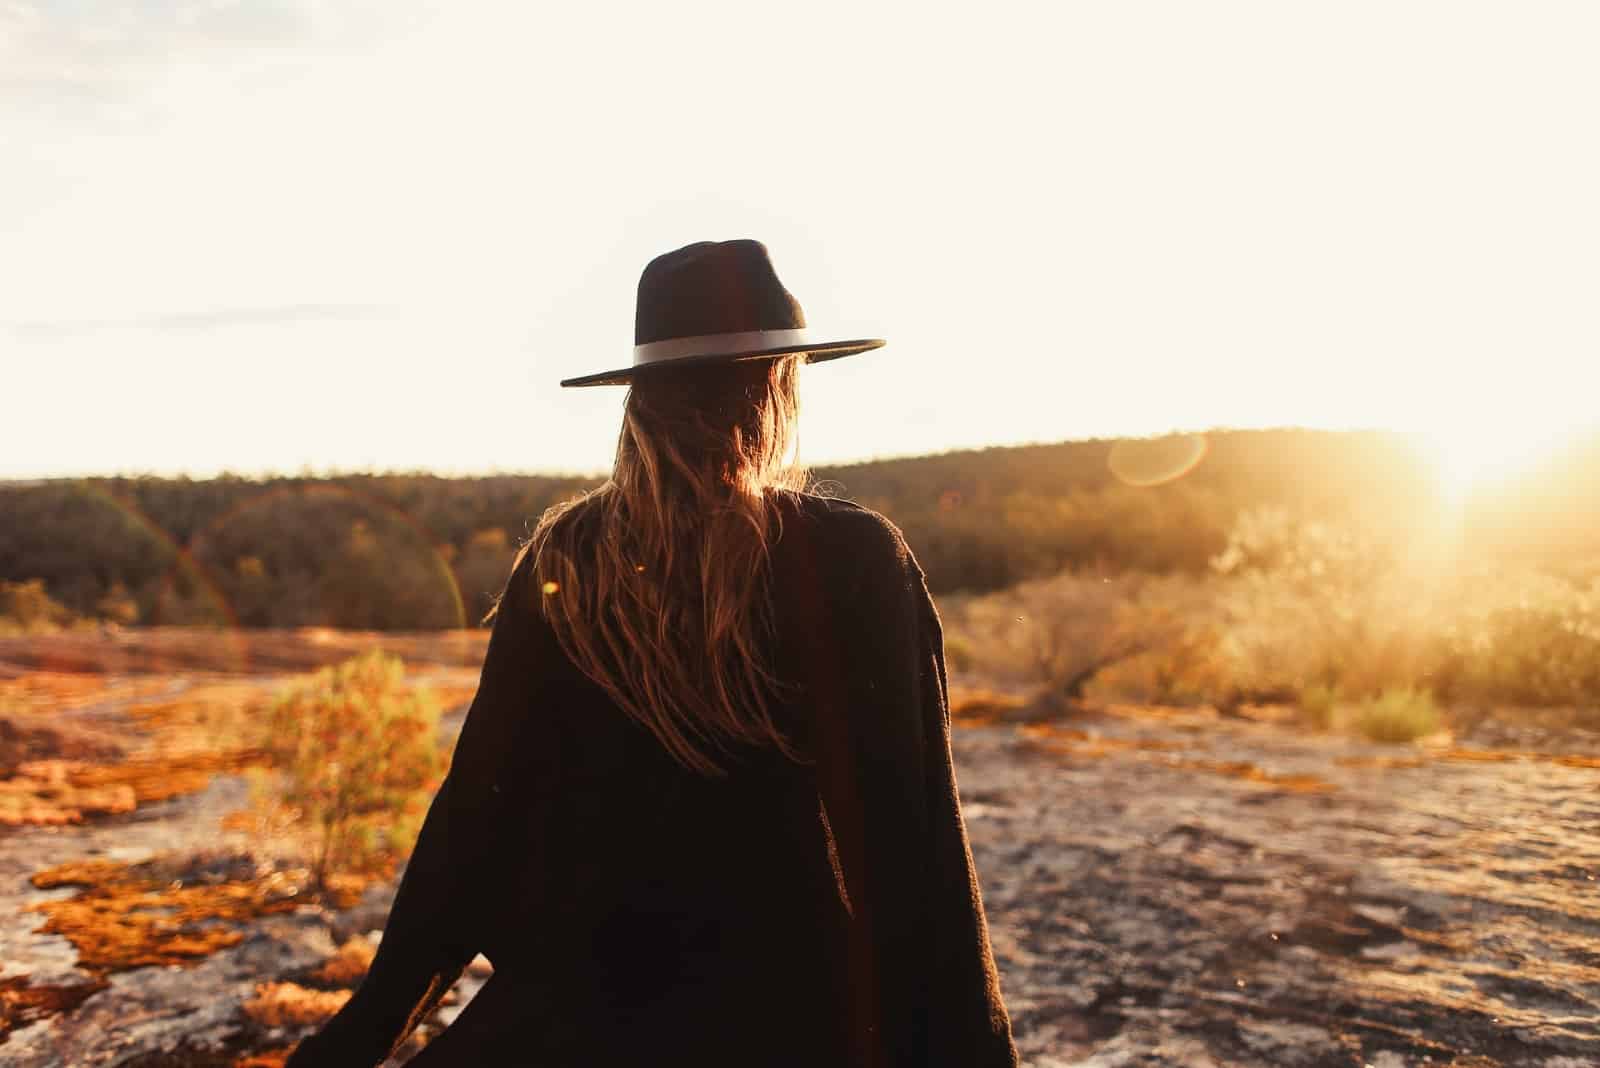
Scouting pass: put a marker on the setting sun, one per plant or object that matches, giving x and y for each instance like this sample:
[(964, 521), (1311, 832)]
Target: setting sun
[(1469, 454)]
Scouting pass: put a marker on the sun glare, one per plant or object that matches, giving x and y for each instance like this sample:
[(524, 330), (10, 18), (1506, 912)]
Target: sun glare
[(1469, 455)]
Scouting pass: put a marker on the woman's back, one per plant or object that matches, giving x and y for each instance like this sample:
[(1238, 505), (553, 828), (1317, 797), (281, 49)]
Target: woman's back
[(635, 910), (650, 906), (686, 909)]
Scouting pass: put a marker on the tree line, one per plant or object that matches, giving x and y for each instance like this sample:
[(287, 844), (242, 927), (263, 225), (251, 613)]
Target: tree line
[(420, 551)]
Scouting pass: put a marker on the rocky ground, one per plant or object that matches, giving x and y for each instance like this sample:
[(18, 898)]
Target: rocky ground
[(1177, 888), (1164, 888)]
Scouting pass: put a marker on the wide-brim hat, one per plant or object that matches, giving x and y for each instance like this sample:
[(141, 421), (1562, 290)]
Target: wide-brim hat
[(716, 302)]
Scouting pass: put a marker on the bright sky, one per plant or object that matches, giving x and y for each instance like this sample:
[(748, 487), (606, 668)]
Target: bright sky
[(291, 234)]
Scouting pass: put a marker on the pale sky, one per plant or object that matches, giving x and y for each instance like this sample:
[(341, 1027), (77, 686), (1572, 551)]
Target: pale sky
[(283, 235)]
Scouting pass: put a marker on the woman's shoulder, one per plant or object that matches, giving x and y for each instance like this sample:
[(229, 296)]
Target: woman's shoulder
[(849, 517), (857, 534)]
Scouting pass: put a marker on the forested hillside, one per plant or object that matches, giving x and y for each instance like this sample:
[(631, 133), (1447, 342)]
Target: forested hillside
[(420, 551)]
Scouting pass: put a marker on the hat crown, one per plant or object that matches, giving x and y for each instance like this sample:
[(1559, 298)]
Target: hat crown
[(712, 287)]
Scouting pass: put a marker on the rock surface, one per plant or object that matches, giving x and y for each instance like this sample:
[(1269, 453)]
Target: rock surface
[(1163, 888), (1185, 889)]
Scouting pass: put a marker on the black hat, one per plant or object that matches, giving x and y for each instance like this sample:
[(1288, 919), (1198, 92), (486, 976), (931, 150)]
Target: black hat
[(716, 302)]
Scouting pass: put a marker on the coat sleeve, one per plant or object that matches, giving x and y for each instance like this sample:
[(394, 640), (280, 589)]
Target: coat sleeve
[(940, 989), (968, 1021), (429, 937)]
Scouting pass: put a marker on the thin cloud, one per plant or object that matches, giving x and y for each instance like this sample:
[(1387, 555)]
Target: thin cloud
[(75, 61), (219, 319)]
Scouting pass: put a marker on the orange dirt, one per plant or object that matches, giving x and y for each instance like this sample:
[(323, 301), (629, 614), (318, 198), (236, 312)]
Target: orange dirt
[(22, 1003), (1077, 744), (55, 689), (54, 792), (273, 1058), (133, 916), (1467, 756), (1380, 761)]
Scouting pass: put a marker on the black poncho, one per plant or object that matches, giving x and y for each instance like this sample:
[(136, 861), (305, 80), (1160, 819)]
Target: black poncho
[(636, 913)]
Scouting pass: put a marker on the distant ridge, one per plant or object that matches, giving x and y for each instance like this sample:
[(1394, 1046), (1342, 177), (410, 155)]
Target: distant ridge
[(418, 550)]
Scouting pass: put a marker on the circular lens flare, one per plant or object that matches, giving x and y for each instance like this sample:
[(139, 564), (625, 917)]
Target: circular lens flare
[(1153, 461)]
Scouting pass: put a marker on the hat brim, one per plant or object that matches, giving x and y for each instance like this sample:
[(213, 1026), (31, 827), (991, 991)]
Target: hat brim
[(815, 353)]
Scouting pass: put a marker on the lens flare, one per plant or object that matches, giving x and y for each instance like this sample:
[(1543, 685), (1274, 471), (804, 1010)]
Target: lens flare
[(1153, 461)]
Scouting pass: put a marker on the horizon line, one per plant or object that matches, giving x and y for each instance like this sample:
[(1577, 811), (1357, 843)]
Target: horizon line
[(331, 473)]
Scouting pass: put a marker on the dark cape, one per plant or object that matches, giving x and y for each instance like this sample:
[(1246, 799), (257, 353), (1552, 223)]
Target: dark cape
[(636, 913)]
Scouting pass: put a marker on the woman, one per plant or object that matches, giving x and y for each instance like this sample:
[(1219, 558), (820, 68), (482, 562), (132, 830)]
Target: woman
[(702, 809)]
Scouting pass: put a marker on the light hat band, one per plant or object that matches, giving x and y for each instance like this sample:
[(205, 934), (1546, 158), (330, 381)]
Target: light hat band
[(677, 348)]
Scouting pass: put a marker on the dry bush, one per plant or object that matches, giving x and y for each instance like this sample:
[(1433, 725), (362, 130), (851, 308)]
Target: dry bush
[(357, 751), (1062, 632), (1309, 603), (1524, 638), (26, 608), (1314, 605), (1184, 660), (1299, 611)]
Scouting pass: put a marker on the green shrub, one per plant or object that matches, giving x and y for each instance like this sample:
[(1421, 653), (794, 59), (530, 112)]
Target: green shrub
[(1398, 715), (958, 653), (357, 753), (1316, 705)]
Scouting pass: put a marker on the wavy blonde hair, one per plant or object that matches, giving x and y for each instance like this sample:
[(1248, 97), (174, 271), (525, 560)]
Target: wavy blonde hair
[(655, 583)]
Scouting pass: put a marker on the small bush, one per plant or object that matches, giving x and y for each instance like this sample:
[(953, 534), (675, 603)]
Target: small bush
[(357, 752), (1316, 705), (1062, 632), (1400, 715), (27, 608), (958, 653)]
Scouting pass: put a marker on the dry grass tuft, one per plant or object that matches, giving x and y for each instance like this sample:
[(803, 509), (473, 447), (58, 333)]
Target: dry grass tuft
[(982, 707), (348, 965), (292, 1005), (1402, 714)]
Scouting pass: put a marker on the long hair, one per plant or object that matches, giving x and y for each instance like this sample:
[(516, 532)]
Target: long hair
[(656, 582)]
